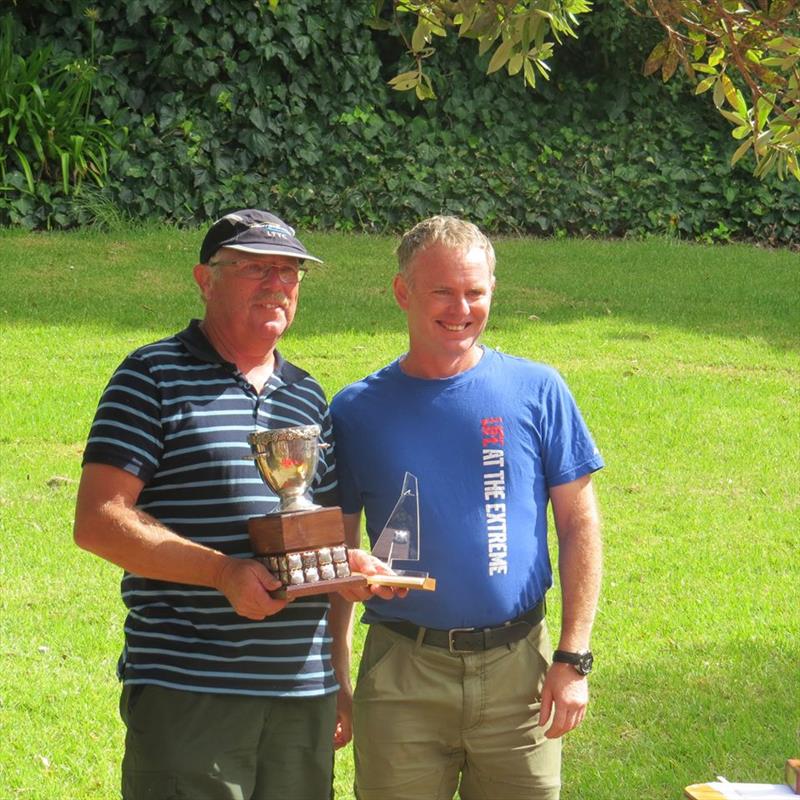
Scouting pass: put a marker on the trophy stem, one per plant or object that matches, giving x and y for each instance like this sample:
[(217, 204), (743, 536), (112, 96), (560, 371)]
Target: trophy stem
[(297, 502)]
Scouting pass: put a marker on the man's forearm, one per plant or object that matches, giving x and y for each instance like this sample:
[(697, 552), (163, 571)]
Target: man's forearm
[(580, 571), (108, 524), (140, 544)]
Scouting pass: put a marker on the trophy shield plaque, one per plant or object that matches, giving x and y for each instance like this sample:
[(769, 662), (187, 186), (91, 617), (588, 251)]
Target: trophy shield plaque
[(301, 544), (400, 541)]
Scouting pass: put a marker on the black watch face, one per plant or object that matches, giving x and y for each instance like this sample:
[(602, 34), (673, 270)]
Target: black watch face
[(584, 665)]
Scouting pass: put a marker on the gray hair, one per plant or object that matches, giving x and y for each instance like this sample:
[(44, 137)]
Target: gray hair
[(448, 231)]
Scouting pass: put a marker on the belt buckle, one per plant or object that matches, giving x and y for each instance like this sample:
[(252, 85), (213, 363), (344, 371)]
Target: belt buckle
[(450, 646)]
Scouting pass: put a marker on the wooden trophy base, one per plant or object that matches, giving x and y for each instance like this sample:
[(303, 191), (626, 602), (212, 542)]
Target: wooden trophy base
[(296, 530)]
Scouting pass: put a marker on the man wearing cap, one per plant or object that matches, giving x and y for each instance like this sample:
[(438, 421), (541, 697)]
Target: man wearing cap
[(227, 692), (457, 689)]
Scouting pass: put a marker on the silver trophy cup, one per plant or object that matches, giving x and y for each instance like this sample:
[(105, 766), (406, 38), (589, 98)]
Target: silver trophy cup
[(287, 460)]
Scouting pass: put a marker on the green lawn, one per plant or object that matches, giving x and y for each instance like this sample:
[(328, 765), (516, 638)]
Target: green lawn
[(686, 363)]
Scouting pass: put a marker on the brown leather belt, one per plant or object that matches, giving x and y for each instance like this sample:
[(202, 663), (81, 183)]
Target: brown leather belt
[(473, 640)]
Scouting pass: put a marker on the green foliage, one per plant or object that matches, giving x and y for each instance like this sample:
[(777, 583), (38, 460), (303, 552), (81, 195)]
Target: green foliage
[(51, 143), (231, 105), (721, 45), (756, 45), (516, 35)]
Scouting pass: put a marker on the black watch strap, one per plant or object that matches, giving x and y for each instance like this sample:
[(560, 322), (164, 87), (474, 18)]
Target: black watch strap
[(582, 661)]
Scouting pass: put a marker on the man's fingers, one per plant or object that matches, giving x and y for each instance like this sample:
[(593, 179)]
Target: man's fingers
[(565, 695), (265, 577), (387, 592), (260, 606), (564, 723), (342, 734), (546, 708), (558, 727), (355, 594), (566, 717), (366, 563)]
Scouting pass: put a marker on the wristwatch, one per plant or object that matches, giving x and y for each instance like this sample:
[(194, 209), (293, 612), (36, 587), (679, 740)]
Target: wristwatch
[(582, 661)]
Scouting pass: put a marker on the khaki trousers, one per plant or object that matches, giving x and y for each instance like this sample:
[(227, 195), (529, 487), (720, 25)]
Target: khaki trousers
[(425, 719)]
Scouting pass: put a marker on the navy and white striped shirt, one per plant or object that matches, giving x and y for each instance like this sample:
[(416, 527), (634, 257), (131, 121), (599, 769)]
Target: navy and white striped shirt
[(176, 415)]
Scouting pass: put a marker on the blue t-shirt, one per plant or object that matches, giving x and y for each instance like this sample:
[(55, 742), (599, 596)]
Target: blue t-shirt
[(485, 446)]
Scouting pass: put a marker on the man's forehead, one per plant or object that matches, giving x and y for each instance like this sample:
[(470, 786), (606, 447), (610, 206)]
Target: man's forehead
[(441, 251), (437, 258)]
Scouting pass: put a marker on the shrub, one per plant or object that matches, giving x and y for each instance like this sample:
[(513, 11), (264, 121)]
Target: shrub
[(51, 141), (231, 104)]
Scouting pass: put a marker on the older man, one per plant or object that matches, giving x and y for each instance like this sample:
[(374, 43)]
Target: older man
[(460, 685), (228, 693)]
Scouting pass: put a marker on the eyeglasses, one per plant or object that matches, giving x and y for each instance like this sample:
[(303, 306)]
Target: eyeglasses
[(260, 272)]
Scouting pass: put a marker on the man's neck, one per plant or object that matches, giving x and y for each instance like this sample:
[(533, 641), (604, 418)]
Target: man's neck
[(417, 364), (255, 364)]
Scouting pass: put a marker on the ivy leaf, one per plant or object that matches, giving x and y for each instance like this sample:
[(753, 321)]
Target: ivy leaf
[(258, 119)]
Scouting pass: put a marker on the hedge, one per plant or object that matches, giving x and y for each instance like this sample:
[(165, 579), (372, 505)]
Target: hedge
[(219, 104)]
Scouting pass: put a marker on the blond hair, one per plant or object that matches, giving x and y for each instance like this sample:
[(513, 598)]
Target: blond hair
[(451, 232)]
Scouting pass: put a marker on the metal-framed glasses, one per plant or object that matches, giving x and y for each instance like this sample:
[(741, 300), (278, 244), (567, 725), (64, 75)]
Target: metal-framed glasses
[(252, 270)]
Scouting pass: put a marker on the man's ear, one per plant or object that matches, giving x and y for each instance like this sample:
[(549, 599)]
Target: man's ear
[(400, 287), (203, 277)]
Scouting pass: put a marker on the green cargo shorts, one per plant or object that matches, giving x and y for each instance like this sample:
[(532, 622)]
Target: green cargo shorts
[(187, 745), (428, 722)]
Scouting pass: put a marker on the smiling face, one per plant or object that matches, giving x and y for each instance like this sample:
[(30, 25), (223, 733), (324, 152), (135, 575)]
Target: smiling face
[(248, 306), (446, 293)]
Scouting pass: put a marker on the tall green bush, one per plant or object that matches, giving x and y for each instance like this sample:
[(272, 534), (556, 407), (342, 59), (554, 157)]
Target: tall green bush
[(51, 141), (232, 104)]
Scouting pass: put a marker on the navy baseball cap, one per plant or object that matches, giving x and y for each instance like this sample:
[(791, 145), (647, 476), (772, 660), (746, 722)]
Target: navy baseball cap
[(254, 231)]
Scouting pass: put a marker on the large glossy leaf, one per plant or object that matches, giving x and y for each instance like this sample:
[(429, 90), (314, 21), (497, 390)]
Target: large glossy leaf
[(500, 56)]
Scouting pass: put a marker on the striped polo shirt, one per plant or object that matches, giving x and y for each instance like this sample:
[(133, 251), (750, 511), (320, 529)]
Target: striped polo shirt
[(177, 415)]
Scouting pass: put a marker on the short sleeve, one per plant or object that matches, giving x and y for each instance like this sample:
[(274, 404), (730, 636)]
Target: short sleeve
[(568, 450), (126, 431)]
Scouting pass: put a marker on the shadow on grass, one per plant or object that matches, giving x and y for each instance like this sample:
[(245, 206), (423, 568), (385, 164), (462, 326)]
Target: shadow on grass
[(144, 280)]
